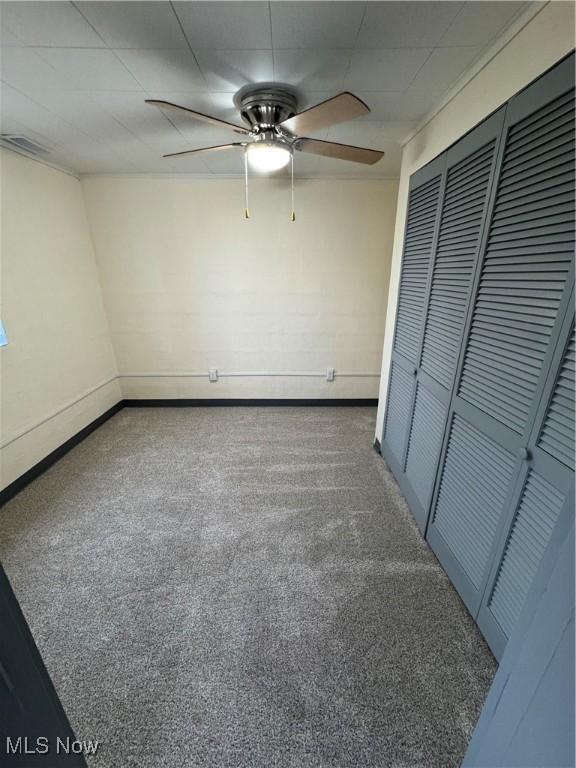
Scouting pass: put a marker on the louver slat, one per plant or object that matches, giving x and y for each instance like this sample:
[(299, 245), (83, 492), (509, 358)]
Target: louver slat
[(475, 480), (534, 521), (547, 194), (527, 261), (424, 443), (466, 189), (398, 410), (422, 207), (557, 436), (547, 117)]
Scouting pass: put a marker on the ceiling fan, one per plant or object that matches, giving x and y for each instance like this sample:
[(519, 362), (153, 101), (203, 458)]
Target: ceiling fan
[(274, 127)]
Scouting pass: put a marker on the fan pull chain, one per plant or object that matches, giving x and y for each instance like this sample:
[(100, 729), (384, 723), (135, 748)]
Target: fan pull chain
[(247, 208), (293, 216)]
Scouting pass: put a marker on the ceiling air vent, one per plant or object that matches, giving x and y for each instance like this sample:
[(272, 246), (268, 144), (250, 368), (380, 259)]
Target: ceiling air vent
[(21, 143)]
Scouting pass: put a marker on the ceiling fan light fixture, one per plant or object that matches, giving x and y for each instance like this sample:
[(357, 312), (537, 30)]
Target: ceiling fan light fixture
[(267, 156)]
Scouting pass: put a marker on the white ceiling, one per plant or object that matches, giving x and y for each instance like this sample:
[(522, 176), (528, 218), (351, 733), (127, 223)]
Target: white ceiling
[(75, 75)]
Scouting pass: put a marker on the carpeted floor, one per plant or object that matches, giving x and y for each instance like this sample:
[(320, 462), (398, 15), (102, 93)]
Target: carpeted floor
[(243, 587)]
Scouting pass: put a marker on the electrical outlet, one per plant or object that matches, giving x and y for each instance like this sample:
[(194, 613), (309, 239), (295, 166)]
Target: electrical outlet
[(213, 374), (329, 374)]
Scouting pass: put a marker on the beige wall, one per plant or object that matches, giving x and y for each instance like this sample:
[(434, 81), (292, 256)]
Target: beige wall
[(541, 43), (59, 352), (190, 285)]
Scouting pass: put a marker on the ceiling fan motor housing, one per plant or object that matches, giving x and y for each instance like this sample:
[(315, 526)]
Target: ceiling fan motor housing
[(264, 108)]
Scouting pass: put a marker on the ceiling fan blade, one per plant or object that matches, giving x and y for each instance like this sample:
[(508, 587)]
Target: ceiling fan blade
[(339, 151), (217, 148), (197, 115), (338, 109)]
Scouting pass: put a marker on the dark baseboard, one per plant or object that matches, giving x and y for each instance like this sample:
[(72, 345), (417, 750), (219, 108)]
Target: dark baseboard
[(377, 446), (367, 402), (22, 481)]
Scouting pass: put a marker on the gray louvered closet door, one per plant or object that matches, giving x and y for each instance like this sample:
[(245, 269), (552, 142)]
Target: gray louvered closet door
[(543, 507), (419, 242), (440, 254), (506, 471)]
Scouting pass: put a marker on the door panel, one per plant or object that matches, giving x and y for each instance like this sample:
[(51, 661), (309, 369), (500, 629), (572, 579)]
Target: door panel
[(463, 182), (544, 503), (462, 216), (398, 411), (420, 228), (473, 489), (524, 273), (535, 519), (424, 443)]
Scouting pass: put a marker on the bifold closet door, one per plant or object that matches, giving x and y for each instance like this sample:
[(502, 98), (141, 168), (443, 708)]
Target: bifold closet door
[(498, 484), (424, 198), (440, 254), (543, 506)]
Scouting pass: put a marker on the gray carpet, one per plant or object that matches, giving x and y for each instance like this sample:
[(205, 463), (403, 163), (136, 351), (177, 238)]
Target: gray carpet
[(243, 587)]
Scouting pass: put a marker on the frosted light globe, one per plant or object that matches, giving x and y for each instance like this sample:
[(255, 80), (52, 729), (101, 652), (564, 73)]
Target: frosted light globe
[(267, 156)]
